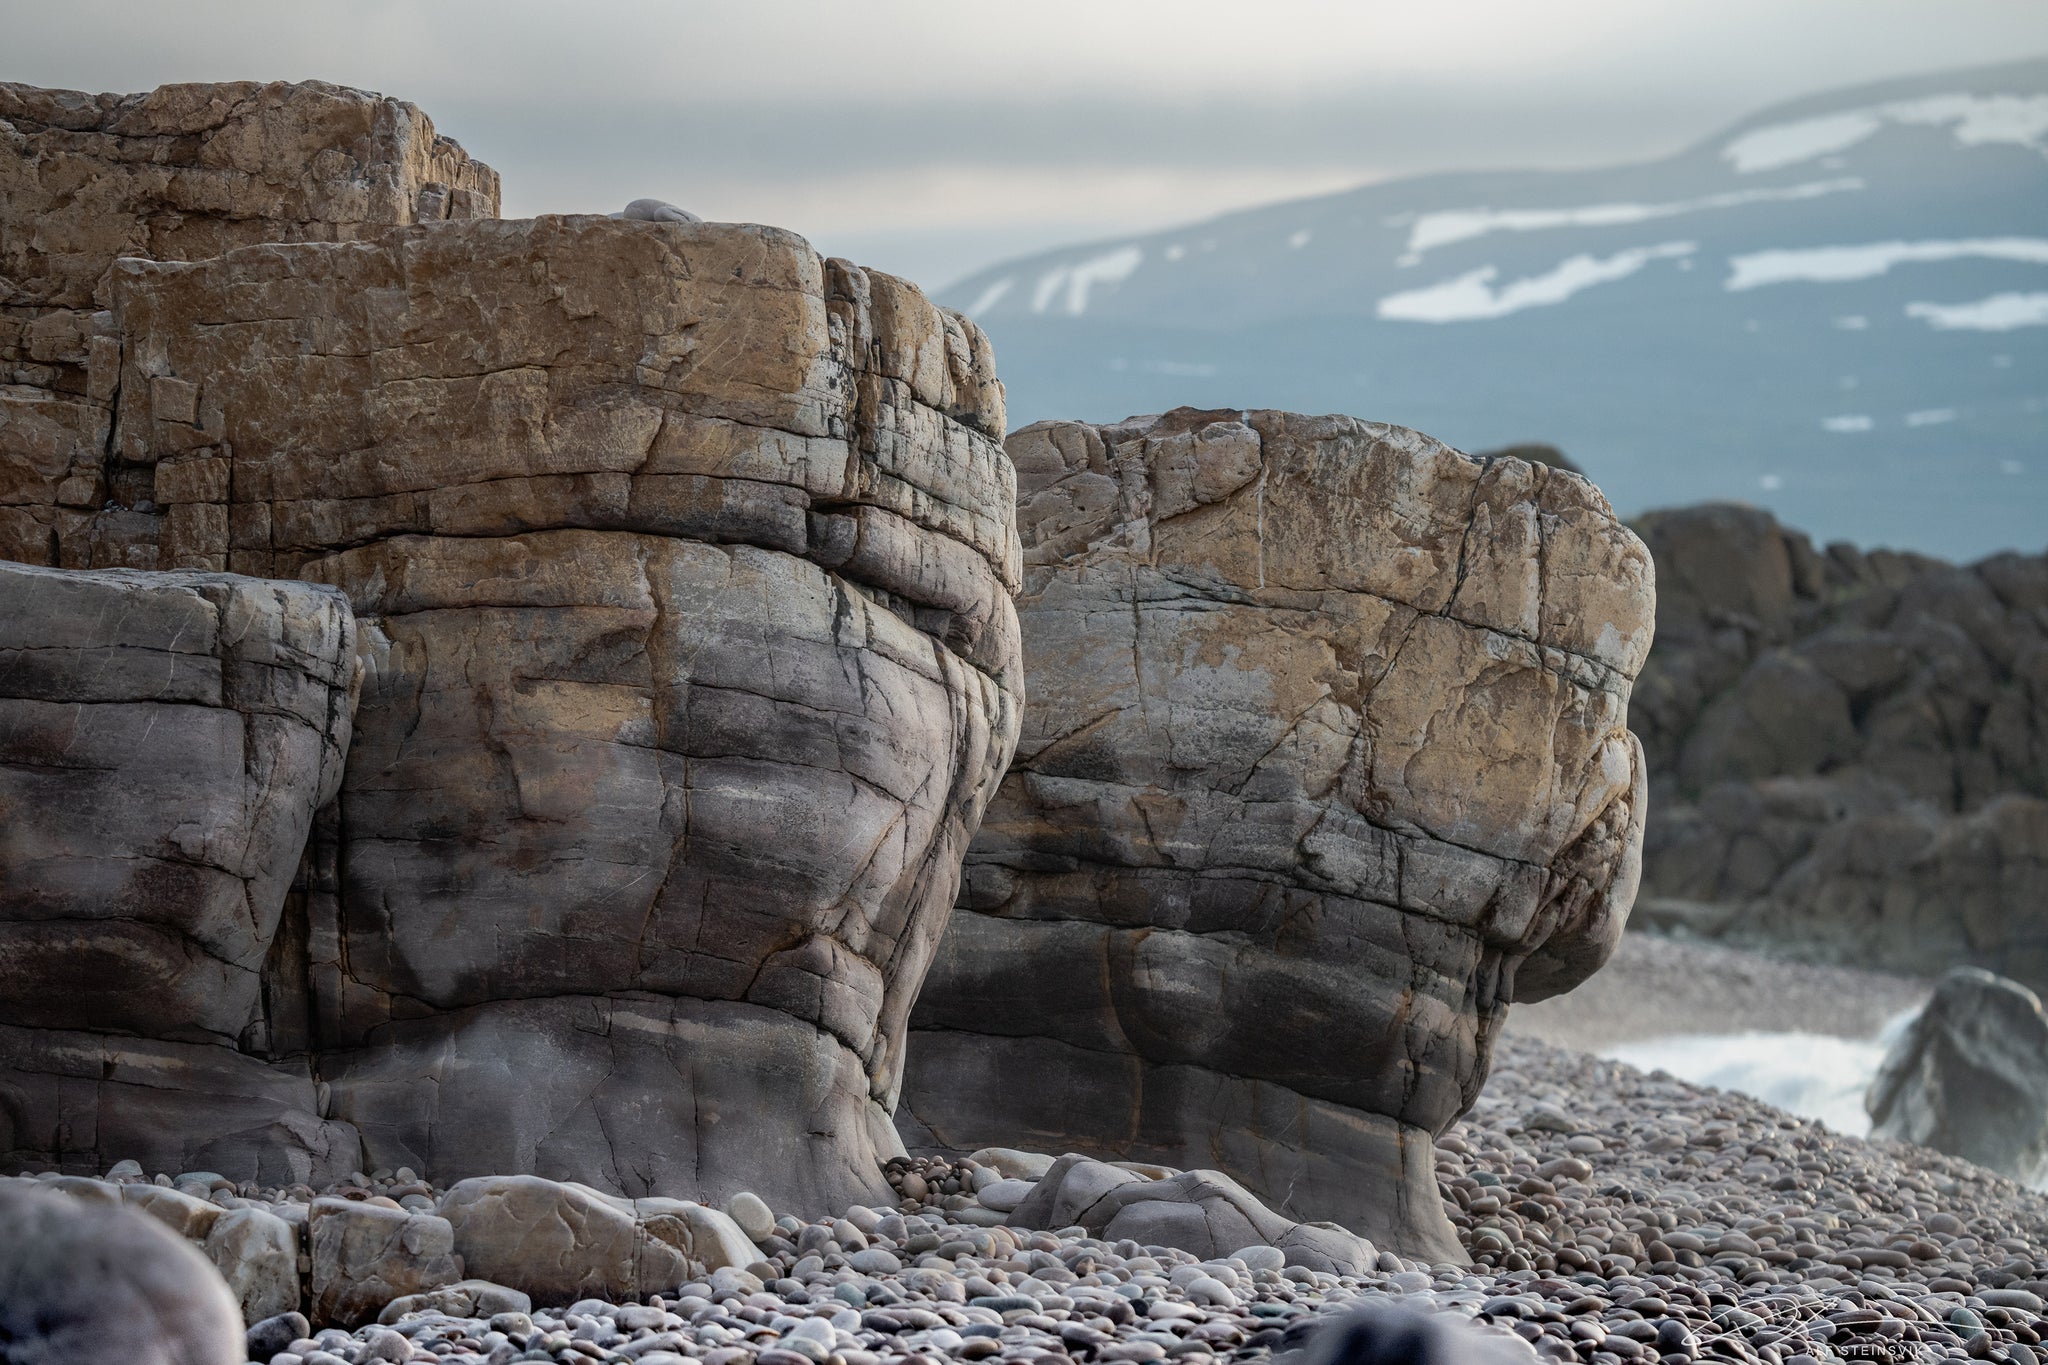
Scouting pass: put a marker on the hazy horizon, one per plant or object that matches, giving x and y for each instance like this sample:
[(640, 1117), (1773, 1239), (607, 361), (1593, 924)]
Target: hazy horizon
[(929, 140)]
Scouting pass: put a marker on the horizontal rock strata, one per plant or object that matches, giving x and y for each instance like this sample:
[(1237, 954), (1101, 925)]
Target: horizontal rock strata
[(1325, 761), (681, 562), (165, 740), (689, 665), (184, 172)]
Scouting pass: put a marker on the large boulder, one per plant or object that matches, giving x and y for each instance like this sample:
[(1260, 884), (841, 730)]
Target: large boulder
[(83, 1280), (165, 740), (560, 1242), (183, 172), (1969, 1076), (683, 561), (1848, 751), (364, 1255), (1325, 762)]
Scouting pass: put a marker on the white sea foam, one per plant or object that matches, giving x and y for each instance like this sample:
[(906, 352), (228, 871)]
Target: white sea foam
[(1930, 417), (1447, 226), (1999, 313), (1813, 1075), (1975, 121), (1299, 239), (1847, 422), (1472, 296), (1837, 264)]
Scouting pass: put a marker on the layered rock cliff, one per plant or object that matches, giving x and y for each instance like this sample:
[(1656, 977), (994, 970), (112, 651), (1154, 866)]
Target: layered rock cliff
[(1325, 761), (680, 562)]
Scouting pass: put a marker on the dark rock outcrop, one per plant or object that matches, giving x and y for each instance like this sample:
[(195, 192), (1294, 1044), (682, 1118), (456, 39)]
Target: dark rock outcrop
[(1848, 752), (1325, 761)]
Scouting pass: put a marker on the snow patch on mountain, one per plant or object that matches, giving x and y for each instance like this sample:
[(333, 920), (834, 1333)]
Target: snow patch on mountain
[(1837, 264), (1977, 120), (1999, 313), (991, 296), (1471, 297), (1446, 226), (1076, 280)]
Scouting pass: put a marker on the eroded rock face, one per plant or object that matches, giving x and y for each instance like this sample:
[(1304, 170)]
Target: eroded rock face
[(184, 172), (683, 561), (165, 740), (1849, 751), (1325, 761)]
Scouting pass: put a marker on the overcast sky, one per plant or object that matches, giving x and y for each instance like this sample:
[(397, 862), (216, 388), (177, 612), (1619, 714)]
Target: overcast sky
[(929, 137)]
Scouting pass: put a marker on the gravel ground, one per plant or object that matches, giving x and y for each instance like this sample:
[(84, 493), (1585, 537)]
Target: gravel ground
[(1656, 987), (1612, 1216)]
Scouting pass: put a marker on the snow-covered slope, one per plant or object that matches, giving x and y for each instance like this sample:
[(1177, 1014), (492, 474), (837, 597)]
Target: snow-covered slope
[(1837, 308)]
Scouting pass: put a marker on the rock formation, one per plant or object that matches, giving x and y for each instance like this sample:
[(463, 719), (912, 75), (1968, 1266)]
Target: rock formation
[(1325, 761), (182, 173), (1203, 1212), (1848, 751), (1969, 1076), (681, 562), (165, 740)]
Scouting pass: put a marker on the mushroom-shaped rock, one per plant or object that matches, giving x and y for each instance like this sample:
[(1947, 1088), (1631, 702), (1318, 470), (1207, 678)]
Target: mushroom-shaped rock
[(1325, 761)]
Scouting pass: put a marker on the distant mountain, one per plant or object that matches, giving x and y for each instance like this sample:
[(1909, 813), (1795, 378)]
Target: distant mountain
[(1837, 309)]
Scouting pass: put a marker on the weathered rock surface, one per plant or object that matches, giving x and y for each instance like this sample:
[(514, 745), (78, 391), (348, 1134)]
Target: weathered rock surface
[(562, 1242), (1970, 1076), (682, 560), (165, 740), (83, 1280), (1325, 761), (365, 1255), (184, 172), (1203, 1212), (1848, 751)]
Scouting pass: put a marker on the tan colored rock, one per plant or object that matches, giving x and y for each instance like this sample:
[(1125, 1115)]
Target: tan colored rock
[(257, 1253), (1325, 761), (685, 561), (364, 1256), (719, 535), (184, 172)]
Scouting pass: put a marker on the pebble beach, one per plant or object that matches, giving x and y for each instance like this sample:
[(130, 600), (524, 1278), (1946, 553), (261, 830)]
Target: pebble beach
[(1611, 1216)]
